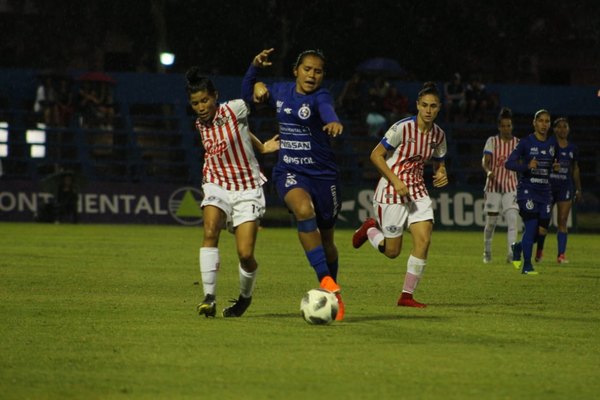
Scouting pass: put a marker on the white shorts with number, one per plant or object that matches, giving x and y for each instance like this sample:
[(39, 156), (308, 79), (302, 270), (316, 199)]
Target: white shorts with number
[(496, 202), (394, 218), (239, 206)]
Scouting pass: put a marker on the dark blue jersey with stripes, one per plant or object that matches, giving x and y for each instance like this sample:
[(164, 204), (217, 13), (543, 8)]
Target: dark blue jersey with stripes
[(534, 183)]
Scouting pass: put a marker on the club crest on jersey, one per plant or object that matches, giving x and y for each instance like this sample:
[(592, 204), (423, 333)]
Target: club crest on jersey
[(529, 205), (304, 111), (222, 120)]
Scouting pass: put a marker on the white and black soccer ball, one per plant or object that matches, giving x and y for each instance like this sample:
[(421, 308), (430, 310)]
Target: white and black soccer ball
[(319, 307)]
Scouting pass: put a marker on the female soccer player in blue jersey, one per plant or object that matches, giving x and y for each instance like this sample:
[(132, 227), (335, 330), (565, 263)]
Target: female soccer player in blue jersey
[(306, 173), (566, 187), (534, 159)]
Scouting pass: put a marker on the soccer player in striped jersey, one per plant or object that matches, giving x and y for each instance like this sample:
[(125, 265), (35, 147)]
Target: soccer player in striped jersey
[(306, 173), (566, 187), (232, 185), (533, 159), (401, 199), (500, 186)]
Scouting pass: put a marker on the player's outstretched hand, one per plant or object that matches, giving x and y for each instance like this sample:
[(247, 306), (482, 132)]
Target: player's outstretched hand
[(262, 59), (333, 129)]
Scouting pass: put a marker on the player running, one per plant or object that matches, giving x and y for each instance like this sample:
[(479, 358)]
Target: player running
[(306, 173), (533, 158), (401, 199), (500, 185), (232, 185)]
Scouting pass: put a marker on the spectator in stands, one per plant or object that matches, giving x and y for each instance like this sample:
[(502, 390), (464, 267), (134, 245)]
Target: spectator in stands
[(395, 105), (45, 101), (376, 121), (456, 100), (96, 105), (349, 103), (477, 100), (64, 102)]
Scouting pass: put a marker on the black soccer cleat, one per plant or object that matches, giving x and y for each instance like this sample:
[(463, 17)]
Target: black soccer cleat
[(208, 307), (238, 308)]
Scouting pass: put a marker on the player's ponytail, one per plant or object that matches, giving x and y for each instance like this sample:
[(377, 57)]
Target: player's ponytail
[(197, 82), (505, 113), (429, 88)]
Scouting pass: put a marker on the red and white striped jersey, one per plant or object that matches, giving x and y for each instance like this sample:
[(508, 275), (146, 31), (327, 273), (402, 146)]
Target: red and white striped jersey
[(411, 149), (229, 159), (504, 180)]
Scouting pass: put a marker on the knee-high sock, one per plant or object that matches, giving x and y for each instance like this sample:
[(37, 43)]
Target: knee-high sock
[(512, 220), (414, 271), (317, 260), (375, 237), (209, 266), (247, 281), (561, 238), (531, 229), (488, 232)]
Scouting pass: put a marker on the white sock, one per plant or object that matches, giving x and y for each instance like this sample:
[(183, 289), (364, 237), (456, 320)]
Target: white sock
[(209, 266), (488, 232), (512, 219), (414, 271), (375, 237), (247, 282)]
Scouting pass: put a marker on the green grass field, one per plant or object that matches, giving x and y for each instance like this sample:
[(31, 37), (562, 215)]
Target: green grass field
[(108, 312)]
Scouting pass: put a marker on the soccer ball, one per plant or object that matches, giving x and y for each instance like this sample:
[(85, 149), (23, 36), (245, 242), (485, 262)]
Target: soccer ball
[(319, 307)]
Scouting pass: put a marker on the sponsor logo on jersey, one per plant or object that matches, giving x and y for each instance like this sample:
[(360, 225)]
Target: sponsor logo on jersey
[(295, 145)]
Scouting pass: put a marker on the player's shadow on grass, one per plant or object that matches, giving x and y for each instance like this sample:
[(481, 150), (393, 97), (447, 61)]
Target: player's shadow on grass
[(362, 318)]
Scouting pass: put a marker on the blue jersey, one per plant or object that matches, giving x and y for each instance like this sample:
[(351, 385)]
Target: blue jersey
[(534, 184), (563, 178), (304, 148)]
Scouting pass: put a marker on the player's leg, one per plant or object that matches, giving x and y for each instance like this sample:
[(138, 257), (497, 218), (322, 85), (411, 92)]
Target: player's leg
[(563, 210), (512, 228), (248, 209), (214, 219), (415, 266), (492, 208)]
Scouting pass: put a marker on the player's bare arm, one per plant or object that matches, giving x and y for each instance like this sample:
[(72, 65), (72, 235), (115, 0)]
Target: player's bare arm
[(440, 179), (269, 146), (378, 159), (260, 93)]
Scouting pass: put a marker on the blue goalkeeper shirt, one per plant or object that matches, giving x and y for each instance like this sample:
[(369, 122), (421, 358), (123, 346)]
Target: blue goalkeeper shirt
[(533, 183), (304, 147)]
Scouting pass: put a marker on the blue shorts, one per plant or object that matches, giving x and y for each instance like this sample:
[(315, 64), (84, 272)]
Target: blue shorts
[(562, 194), (325, 194), (530, 208)]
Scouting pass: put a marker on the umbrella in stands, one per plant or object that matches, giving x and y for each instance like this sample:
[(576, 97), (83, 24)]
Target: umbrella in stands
[(96, 77), (381, 66)]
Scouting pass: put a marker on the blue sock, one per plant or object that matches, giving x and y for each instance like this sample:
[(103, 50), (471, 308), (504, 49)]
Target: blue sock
[(562, 242), (317, 260), (333, 269), (531, 228)]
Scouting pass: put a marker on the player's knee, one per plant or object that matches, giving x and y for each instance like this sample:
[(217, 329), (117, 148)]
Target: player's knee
[(392, 253)]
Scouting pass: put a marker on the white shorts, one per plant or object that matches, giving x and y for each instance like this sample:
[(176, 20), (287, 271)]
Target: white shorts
[(239, 206), (394, 218), (496, 202)]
